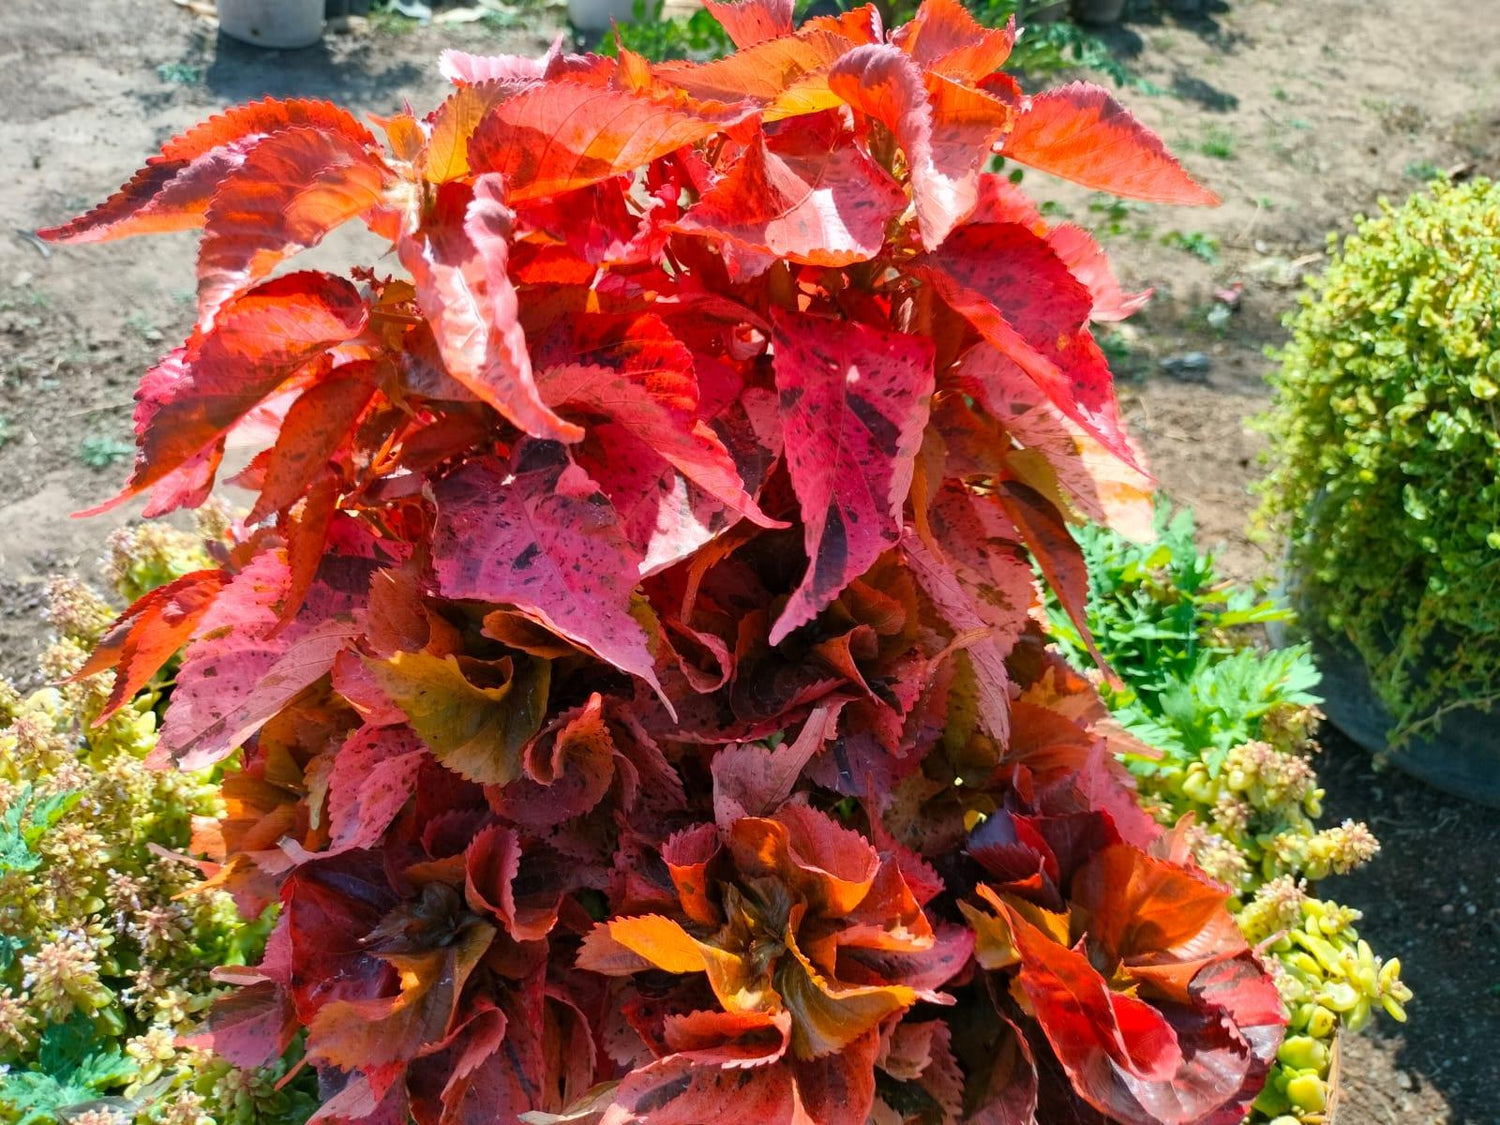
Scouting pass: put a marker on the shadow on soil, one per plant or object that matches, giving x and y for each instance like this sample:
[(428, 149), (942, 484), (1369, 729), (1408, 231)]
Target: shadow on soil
[(241, 72), (1432, 898)]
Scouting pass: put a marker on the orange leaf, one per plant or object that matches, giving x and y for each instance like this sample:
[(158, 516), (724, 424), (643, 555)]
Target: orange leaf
[(292, 189), (659, 940), (173, 190), (563, 135), (947, 40), (149, 633), (1079, 132)]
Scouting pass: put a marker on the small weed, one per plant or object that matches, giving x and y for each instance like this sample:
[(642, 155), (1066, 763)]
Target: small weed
[(4, 430), (100, 451), (1113, 213), (22, 297), (1218, 143), (1124, 361), (1053, 209), (1204, 247), (384, 19), (1280, 94), (180, 74), (1424, 170), (1265, 203), (143, 326)]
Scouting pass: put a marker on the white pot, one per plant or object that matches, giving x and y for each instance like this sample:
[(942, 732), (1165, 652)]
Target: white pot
[(598, 15), (272, 23)]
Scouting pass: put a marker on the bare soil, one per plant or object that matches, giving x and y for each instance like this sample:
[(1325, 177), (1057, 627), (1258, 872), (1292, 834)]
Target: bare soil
[(1300, 113)]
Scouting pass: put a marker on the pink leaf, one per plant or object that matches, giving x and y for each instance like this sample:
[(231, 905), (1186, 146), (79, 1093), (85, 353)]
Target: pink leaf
[(540, 536), (749, 22), (466, 294), (945, 129)]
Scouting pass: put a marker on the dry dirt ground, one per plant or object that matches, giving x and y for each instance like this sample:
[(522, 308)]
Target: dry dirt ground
[(1299, 112)]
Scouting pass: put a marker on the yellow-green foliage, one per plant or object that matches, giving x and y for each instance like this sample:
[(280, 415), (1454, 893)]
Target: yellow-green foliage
[(105, 946), (1385, 449)]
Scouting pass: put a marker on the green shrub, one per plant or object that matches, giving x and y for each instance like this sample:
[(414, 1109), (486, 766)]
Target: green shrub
[(105, 944), (1385, 450), (1228, 731)]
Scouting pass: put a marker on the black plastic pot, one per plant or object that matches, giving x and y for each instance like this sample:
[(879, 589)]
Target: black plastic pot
[(1099, 13), (1459, 755)]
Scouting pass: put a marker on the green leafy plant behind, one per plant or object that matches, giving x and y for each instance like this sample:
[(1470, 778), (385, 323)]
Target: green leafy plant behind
[(1385, 451), (105, 944), (1227, 757), (1043, 48)]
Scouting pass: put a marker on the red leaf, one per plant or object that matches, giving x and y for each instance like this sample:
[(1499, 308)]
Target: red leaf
[(492, 868), (644, 402), (1079, 132), (150, 633), (541, 536), (315, 427), (1086, 260), (750, 780), (292, 189), (677, 1091), (260, 341), (854, 402), (569, 768), (839, 1089), (463, 289), (1012, 287), (374, 775), (1107, 1041), (241, 667), (251, 1026), (187, 486), (805, 195), (173, 190), (984, 645), (749, 22), (563, 135), (1057, 554), (946, 130), (729, 1039)]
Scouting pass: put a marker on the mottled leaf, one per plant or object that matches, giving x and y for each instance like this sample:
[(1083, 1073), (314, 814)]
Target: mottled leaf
[(854, 402)]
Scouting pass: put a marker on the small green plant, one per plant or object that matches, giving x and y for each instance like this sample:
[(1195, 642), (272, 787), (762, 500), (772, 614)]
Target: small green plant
[(697, 37), (5, 430), (1204, 247), (1218, 143), (1385, 451), (100, 451), (107, 935), (180, 74), (1226, 728)]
